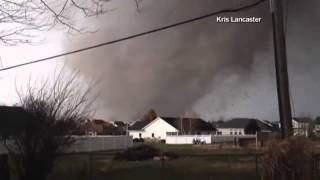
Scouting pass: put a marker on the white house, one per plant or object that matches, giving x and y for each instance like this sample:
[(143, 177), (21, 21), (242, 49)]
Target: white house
[(161, 127), (157, 128), (301, 126)]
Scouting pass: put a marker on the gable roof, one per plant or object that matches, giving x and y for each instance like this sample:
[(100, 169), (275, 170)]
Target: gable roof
[(119, 123), (187, 124), (267, 126), (317, 121), (138, 125), (193, 124), (242, 123), (302, 119), (236, 123), (99, 121)]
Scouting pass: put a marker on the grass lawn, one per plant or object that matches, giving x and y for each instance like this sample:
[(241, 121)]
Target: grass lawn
[(194, 163), (191, 150)]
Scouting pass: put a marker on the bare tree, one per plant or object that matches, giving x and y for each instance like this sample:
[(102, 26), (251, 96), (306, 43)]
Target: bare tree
[(55, 114), (20, 19)]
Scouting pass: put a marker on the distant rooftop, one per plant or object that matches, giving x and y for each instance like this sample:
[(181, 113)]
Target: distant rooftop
[(302, 119), (239, 123)]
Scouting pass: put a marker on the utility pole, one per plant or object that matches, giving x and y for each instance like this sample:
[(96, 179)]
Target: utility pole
[(279, 41)]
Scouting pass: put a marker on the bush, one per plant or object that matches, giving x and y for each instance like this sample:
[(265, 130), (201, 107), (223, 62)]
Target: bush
[(171, 155), (137, 153), (288, 159), (137, 140)]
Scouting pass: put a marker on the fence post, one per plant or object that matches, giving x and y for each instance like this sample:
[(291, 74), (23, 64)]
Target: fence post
[(256, 161), (256, 139), (90, 172), (313, 160)]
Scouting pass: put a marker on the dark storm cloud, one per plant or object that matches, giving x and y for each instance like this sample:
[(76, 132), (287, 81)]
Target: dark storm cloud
[(256, 97), (205, 67)]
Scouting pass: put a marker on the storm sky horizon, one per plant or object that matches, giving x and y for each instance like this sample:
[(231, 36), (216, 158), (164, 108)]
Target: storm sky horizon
[(204, 69)]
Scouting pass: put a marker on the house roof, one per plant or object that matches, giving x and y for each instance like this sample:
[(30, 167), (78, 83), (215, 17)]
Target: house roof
[(138, 125), (236, 123), (186, 124), (267, 126), (242, 123), (302, 119), (99, 121), (119, 123), (317, 121)]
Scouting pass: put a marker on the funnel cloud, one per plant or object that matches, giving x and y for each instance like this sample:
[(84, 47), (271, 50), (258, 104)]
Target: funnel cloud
[(206, 69)]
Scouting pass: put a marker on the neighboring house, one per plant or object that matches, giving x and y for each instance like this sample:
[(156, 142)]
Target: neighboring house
[(93, 127), (97, 127), (267, 126), (301, 126), (160, 127), (115, 128), (100, 127), (244, 126), (316, 128)]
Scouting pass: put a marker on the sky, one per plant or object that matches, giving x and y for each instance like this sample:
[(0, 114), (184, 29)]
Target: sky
[(204, 69)]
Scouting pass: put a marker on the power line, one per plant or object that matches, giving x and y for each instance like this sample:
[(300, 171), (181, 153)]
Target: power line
[(231, 10)]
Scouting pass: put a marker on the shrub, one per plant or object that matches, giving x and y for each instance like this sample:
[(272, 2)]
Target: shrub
[(288, 159), (137, 140), (137, 153), (171, 155)]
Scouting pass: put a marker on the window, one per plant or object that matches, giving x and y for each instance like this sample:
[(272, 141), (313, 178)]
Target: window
[(240, 133), (235, 133), (152, 135), (230, 133), (171, 133), (139, 135)]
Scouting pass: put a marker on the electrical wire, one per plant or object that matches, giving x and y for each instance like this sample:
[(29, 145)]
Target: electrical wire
[(231, 10)]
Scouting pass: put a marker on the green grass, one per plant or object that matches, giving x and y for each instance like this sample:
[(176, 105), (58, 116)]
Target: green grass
[(194, 163), (191, 150), (184, 168)]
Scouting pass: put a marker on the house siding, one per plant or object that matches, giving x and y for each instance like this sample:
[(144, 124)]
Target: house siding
[(159, 129), (300, 128)]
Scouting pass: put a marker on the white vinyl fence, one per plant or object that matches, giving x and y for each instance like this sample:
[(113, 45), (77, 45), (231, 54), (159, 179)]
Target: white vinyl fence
[(207, 139), (188, 139), (95, 143)]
